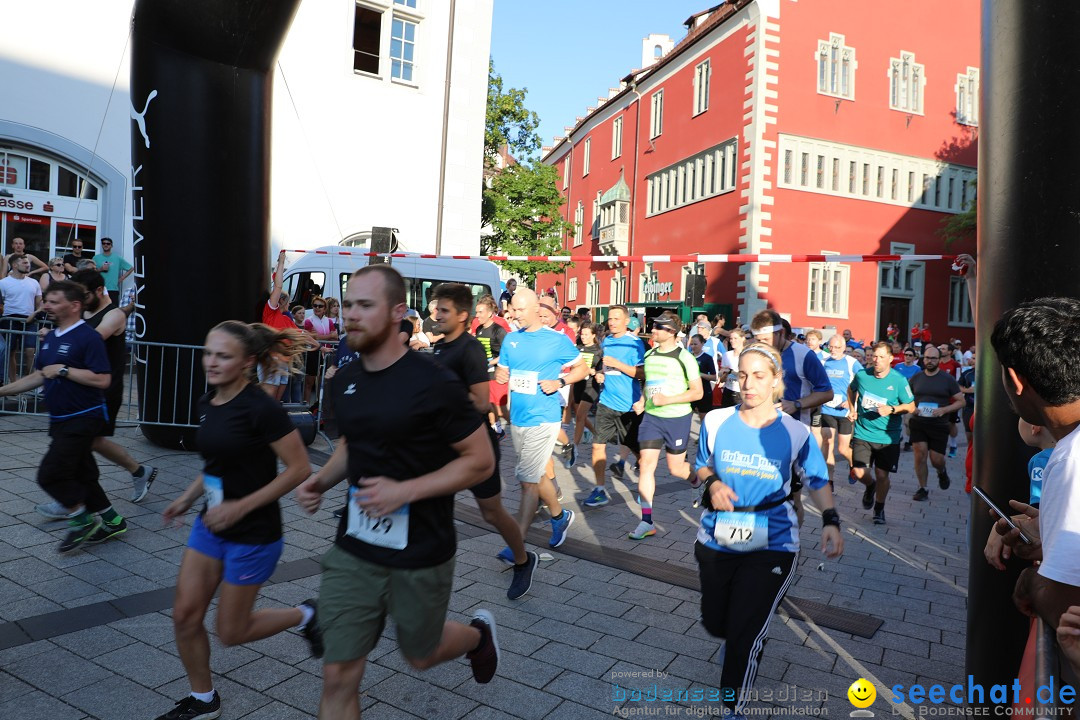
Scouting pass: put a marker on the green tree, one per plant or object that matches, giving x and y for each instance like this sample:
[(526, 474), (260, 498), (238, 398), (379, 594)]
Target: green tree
[(962, 226), (521, 202)]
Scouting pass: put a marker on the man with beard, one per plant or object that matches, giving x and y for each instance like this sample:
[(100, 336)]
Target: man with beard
[(410, 440), (111, 324)]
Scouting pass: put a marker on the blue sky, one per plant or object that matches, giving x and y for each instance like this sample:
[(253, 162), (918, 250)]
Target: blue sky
[(567, 53)]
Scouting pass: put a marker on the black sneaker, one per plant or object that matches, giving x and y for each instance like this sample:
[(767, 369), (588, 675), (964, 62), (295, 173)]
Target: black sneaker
[(79, 534), (868, 496), (523, 576), (921, 495), (943, 481), (618, 470), (907, 446), (879, 517), (194, 709), (311, 630), (108, 530), (485, 658)]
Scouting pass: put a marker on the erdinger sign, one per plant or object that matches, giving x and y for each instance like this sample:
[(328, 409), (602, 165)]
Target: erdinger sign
[(658, 288)]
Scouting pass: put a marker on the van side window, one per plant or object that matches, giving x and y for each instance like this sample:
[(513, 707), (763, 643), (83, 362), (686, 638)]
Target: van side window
[(420, 292), (303, 286)]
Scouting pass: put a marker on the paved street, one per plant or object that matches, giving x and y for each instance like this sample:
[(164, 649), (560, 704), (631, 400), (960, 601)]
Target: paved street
[(579, 645)]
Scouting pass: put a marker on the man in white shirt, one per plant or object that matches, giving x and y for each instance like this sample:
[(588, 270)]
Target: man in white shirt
[(1045, 391), (22, 298)]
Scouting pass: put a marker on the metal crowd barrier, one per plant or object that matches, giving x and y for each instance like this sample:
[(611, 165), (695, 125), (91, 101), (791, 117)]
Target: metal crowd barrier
[(168, 376)]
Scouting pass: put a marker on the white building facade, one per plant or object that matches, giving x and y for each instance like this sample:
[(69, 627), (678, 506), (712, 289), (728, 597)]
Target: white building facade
[(363, 132)]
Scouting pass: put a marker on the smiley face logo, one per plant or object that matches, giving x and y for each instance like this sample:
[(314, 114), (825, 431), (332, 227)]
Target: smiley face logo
[(862, 693)]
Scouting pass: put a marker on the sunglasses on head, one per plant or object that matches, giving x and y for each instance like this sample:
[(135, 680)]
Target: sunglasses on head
[(317, 306)]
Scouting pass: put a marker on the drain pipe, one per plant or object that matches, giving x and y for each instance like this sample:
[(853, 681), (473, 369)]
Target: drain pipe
[(445, 129), (633, 190)]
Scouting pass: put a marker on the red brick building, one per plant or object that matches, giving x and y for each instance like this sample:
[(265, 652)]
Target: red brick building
[(784, 126)]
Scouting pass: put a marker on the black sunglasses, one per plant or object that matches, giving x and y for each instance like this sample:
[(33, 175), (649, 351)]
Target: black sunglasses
[(106, 242), (316, 307)]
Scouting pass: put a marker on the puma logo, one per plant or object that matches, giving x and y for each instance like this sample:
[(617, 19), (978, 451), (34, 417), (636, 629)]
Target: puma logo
[(140, 117), (351, 389)]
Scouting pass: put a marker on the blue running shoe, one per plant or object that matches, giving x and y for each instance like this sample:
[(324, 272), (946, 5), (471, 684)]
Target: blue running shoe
[(618, 469), (506, 555), (597, 498), (559, 528)]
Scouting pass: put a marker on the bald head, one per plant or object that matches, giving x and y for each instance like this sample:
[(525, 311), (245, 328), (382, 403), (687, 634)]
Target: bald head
[(526, 307)]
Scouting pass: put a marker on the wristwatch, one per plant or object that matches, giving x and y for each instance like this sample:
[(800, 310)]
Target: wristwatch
[(562, 382), (798, 406), (62, 372)]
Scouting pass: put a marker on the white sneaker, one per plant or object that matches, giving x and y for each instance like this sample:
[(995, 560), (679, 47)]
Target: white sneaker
[(642, 531), (52, 510)]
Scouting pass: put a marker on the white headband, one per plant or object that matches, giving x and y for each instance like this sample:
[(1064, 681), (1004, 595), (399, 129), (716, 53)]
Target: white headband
[(762, 351), (767, 329)]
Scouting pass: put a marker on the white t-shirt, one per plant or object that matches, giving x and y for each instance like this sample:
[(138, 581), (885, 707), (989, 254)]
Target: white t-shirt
[(731, 360), (19, 295), (1059, 512)]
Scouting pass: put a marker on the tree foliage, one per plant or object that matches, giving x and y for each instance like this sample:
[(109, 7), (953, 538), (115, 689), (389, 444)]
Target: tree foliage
[(962, 226), (524, 201), (521, 202)]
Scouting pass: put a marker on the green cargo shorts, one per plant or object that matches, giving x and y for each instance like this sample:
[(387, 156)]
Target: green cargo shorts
[(356, 596)]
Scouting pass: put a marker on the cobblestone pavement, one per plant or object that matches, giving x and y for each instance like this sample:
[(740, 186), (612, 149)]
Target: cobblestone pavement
[(579, 645)]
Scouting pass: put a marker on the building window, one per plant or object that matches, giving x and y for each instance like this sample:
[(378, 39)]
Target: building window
[(402, 49), (406, 3), (959, 307), (367, 40), (836, 67), (592, 291), (596, 216), (618, 289), (876, 176), (571, 290), (700, 177), (702, 73), (566, 172), (579, 221), (907, 79), (616, 138), (585, 161), (656, 116), (967, 97), (828, 289)]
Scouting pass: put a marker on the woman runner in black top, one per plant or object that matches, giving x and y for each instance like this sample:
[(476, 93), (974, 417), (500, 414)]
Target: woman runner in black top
[(235, 541), (585, 391)]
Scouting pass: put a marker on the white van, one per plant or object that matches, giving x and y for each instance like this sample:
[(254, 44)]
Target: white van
[(326, 272)]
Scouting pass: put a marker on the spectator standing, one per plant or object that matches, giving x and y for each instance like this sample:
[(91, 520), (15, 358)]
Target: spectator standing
[(507, 295), (73, 258), (22, 299), (56, 273), (114, 268), (18, 247)]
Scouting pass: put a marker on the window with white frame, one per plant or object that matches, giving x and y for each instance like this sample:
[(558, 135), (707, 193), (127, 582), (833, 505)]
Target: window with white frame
[(579, 221), (571, 290), (828, 289), (402, 49), (367, 39), (656, 115), (967, 97), (585, 160), (699, 177), (907, 80), (592, 291), (959, 307), (702, 73), (596, 215), (874, 175), (406, 3), (566, 172), (616, 138), (649, 278), (836, 68), (618, 288)]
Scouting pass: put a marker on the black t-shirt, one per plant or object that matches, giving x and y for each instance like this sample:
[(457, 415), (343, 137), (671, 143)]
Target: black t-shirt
[(967, 380), (115, 346), (429, 326), (492, 339), (935, 390), (78, 346), (589, 355), (234, 441), (465, 357), (73, 260), (401, 423)]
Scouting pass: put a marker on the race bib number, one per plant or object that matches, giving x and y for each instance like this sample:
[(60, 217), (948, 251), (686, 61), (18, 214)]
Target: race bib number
[(524, 381), (653, 386), (741, 531), (213, 491), (837, 400), (871, 401), (926, 409), (390, 531)]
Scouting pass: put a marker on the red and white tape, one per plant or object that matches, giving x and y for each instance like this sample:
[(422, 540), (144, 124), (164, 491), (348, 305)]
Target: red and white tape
[(703, 258)]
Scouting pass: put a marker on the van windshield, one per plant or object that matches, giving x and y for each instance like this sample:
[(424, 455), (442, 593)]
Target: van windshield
[(418, 291)]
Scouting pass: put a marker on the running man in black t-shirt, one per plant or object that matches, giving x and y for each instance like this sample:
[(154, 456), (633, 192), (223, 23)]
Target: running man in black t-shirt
[(462, 354), (411, 439), (937, 395), (235, 541)]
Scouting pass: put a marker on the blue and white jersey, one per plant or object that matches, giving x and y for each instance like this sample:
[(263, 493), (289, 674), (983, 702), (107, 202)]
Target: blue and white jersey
[(803, 374), (840, 373), (1036, 466), (757, 463), (531, 358), (621, 391)]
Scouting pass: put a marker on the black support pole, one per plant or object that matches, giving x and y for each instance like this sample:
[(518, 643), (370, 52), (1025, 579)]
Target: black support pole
[(201, 79), (1029, 246)]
